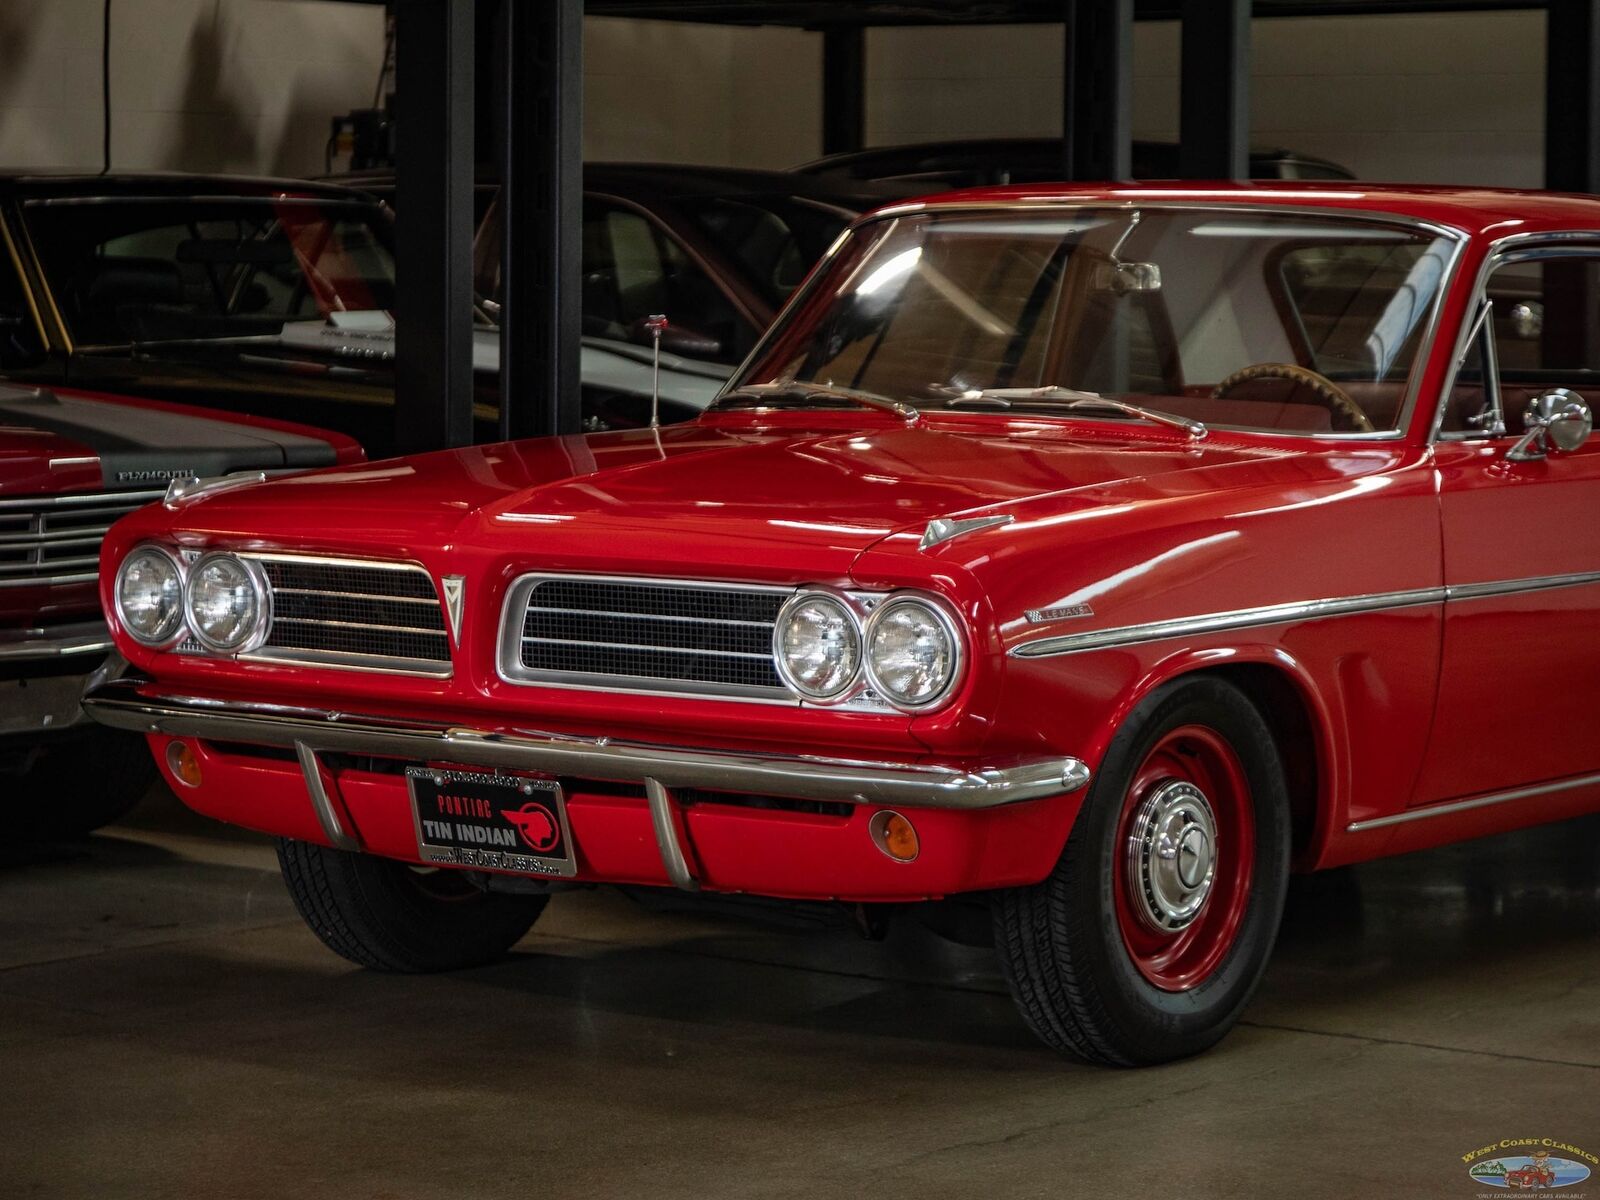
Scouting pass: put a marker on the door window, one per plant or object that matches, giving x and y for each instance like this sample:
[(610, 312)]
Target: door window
[(20, 344), (632, 270), (1543, 332)]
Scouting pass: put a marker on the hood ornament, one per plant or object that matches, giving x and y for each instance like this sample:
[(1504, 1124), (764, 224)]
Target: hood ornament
[(455, 591), (943, 529), (190, 488)]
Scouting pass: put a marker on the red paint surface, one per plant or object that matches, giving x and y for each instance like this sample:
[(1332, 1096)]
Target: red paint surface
[(1135, 521)]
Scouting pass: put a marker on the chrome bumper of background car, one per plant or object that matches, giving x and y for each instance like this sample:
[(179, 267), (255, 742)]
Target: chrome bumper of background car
[(142, 707), (60, 641), (45, 672)]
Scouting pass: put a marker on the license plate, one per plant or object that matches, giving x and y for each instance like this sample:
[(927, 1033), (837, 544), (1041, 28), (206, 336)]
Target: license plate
[(492, 822)]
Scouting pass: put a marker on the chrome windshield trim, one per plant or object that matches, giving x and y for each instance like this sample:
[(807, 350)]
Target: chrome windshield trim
[(142, 707), (1461, 806), (1220, 622), (1280, 614)]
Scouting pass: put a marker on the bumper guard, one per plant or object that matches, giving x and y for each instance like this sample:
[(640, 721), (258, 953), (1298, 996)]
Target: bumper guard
[(142, 707)]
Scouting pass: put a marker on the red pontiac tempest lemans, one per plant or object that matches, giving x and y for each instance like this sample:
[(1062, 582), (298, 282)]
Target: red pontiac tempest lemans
[(1110, 552)]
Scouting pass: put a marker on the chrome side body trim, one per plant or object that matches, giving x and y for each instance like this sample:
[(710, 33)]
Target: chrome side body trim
[(1512, 587), (1243, 618), (133, 705), (1279, 614), (1460, 806)]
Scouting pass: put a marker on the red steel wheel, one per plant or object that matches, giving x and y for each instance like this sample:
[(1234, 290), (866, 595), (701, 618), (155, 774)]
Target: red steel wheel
[(1147, 939), (1182, 886)]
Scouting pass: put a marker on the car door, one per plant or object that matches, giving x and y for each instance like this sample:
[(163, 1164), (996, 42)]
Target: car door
[(1521, 654)]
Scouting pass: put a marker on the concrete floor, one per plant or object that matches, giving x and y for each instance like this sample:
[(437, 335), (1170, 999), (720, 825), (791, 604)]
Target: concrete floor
[(169, 1028)]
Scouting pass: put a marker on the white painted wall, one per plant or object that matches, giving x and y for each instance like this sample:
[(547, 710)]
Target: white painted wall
[(249, 85), (1439, 98), (225, 85)]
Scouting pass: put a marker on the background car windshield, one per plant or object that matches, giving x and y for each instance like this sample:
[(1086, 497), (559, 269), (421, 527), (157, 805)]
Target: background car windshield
[(775, 238), (1166, 308), (161, 270)]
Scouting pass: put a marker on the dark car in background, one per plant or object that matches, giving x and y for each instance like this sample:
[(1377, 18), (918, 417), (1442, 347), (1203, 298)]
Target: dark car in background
[(716, 249), (983, 162), (274, 297)]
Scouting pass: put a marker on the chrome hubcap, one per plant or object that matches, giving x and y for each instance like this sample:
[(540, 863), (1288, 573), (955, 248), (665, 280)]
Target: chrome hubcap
[(1172, 855)]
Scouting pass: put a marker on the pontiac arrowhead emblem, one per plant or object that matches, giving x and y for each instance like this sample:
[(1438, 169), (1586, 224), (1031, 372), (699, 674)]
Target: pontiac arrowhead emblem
[(455, 590)]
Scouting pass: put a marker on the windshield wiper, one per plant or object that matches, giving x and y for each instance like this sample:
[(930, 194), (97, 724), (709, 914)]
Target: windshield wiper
[(1080, 401), (803, 390)]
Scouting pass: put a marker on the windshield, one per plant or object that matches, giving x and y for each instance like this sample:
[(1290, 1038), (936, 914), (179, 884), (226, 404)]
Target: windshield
[(1263, 320), (142, 270)]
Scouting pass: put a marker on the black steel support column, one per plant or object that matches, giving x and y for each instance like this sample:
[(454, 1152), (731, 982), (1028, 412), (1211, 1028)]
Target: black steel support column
[(1572, 96), (433, 224), (844, 89), (541, 210), (1097, 91), (1214, 105)]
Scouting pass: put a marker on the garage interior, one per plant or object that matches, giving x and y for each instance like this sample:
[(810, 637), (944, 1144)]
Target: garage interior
[(169, 1027)]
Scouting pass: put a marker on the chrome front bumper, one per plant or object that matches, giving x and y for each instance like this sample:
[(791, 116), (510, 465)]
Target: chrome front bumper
[(145, 708)]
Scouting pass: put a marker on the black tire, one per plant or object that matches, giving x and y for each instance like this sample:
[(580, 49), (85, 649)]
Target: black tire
[(389, 916), (1064, 948), (84, 782)]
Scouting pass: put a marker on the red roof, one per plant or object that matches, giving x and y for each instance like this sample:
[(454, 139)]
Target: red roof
[(1495, 211)]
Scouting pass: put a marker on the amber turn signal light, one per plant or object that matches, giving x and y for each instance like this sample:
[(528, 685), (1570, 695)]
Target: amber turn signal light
[(894, 835), (184, 766)]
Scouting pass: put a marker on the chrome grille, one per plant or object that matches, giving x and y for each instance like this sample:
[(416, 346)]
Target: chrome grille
[(597, 631), (353, 613), (56, 539)]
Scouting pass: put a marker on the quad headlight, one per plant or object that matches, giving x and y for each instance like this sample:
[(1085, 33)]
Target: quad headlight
[(832, 648), (149, 596), (225, 602), (913, 651), (817, 645)]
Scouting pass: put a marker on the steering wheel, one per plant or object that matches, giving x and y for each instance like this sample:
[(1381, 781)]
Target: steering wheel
[(1332, 397)]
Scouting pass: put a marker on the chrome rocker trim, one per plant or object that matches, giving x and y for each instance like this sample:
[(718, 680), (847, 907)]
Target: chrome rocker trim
[(130, 704)]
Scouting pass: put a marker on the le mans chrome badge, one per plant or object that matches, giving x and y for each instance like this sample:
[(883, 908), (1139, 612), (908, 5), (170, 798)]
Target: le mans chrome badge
[(1065, 612)]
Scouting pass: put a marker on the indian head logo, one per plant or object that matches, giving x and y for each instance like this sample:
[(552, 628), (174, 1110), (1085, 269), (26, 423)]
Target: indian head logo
[(536, 825)]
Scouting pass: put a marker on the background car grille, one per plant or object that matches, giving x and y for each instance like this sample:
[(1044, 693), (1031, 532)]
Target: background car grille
[(56, 539), (352, 613), (685, 637)]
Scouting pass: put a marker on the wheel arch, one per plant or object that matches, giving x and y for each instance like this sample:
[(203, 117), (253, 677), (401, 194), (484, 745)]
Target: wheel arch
[(1302, 724)]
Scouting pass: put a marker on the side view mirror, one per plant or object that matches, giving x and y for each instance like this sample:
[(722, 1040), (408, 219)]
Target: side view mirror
[(1556, 420)]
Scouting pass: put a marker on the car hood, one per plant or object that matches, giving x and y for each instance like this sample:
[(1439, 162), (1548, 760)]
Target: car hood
[(711, 495), (54, 441)]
